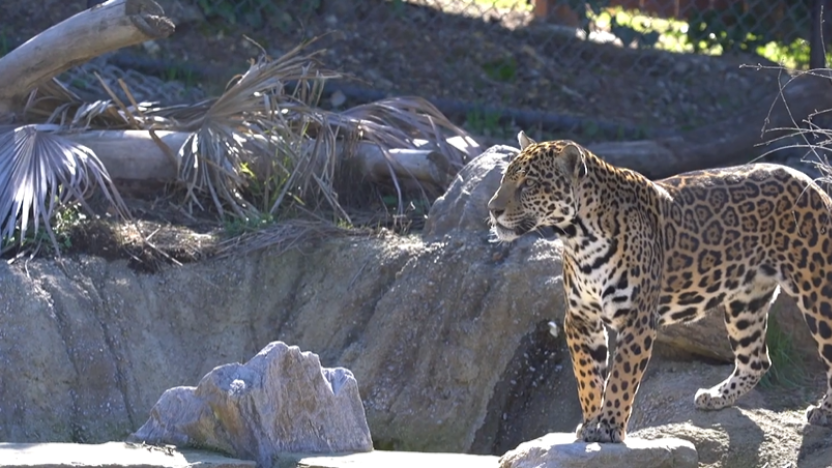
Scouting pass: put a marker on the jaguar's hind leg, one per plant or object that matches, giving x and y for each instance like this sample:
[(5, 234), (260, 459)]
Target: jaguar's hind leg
[(819, 318), (746, 318)]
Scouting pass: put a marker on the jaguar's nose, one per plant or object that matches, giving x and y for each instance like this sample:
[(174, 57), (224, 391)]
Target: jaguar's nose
[(492, 208)]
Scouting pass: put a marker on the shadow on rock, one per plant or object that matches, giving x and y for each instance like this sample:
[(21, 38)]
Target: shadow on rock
[(743, 435)]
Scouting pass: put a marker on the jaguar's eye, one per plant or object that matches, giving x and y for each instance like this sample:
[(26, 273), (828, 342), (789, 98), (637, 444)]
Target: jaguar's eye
[(530, 183)]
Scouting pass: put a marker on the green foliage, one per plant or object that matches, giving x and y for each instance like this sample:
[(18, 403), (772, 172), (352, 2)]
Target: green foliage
[(398, 7), (709, 32), (5, 45), (250, 12), (786, 368), (485, 123), (183, 75), (64, 219), (742, 28), (501, 69), (237, 226), (706, 29)]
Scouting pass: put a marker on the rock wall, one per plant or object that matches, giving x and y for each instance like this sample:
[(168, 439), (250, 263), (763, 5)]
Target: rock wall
[(432, 332)]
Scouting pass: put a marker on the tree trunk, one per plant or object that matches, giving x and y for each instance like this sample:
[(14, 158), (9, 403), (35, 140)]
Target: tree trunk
[(104, 28)]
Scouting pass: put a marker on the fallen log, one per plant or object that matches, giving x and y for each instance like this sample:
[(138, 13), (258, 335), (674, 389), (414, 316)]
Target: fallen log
[(135, 155), (88, 34)]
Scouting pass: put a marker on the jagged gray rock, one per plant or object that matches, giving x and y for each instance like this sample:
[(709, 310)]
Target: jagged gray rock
[(560, 450), (110, 455), (280, 401), (465, 204)]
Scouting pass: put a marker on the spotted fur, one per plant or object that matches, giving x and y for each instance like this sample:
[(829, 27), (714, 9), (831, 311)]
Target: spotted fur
[(638, 254)]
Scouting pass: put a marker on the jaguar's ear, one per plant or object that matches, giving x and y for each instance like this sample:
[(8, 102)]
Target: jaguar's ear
[(574, 159), (524, 140)]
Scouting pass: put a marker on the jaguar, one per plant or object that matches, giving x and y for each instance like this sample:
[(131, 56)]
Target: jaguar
[(639, 254)]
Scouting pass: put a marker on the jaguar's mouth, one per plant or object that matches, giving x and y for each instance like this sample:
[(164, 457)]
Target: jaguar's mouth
[(507, 234)]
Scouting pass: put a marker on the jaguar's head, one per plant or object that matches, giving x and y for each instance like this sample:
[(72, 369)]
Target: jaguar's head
[(538, 188)]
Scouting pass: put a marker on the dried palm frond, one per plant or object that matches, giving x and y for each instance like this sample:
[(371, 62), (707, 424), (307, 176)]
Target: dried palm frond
[(54, 103), (39, 171), (254, 119), (405, 122), (284, 236)]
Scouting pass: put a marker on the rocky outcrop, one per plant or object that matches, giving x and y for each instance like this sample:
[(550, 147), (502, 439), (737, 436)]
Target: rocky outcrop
[(110, 455), (559, 450), (389, 459), (280, 401), (436, 334)]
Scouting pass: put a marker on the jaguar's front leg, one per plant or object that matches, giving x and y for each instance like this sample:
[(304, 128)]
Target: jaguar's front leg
[(633, 348), (587, 341)]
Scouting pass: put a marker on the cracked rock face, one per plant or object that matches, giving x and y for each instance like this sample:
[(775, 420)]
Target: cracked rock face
[(282, 400)]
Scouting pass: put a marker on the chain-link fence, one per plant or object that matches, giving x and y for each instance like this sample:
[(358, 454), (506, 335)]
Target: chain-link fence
[(779, 29), (648, 63), (602, 66)]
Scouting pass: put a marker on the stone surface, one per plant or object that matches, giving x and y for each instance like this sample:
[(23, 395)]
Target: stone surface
[(447, 355), (110, 455), (279, 401), (465, 204), (560, 450), (385, 459), (747, 434)]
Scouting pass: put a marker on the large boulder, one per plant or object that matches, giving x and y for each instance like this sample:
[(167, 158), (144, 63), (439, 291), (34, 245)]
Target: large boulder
[(281, 401), (767, 427)]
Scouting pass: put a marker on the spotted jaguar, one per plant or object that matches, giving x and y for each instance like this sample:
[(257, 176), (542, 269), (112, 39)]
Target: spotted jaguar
[(638, 254)]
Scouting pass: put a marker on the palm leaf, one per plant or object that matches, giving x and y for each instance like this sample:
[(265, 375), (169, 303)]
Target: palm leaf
[(39, 171), (254, 118)]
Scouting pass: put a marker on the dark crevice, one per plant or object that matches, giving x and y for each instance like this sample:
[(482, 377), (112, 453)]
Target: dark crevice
[(527, 390)]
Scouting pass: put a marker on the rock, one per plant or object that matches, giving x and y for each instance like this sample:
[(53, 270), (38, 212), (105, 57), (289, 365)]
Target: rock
[(111, 455), (706, 337), (447, 355), (386, 459), (465, 204), (279, 401), (746, 434), (560, 450)]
